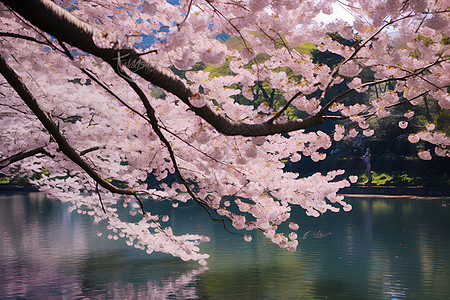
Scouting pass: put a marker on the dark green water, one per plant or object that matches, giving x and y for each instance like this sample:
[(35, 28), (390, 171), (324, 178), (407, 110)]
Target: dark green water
[(382, 249)]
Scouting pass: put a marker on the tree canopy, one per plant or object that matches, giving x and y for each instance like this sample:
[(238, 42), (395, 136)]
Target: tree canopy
[(97, 98)]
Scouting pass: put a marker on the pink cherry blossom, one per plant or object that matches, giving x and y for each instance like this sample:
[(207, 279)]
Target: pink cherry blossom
[(293, 226), (293, 236), (403, 124), (413, 138), (368, 132), (409, 114), (198, 101), (353, 178), (353, 132), (296, 157), (425, 155), (441, 152), (347, 207), (430, 127), (363, 125)]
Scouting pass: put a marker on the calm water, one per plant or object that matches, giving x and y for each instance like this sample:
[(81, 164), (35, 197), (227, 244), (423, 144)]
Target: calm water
[(382, 249)]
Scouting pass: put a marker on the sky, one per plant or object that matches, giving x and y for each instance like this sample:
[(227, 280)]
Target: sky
[(339, 12)]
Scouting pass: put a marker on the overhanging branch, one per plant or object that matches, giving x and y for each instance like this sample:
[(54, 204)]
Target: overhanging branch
[(13, 79), (58, 22)]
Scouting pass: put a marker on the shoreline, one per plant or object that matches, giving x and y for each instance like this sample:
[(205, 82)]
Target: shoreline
[(396, 196), (396, 191)]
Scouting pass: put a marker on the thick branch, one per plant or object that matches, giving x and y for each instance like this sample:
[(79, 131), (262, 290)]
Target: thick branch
[(58, 22)]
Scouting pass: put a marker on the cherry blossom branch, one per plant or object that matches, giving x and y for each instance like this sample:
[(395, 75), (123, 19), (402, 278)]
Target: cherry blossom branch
[(367, 116), (282, 43), (58, 22), (156, 128), (34, 29), (346, 4), (84, 152), (14, 108), (367, 84), (22, 155), (357, 49), (334, 73), (153, 121), (145, 100), (13, 79), (90, 74), (335, 117), (438, 61), (232, 25), (283, 109)]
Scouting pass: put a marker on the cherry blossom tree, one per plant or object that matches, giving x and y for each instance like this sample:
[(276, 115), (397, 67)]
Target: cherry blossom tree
[(90, 108)]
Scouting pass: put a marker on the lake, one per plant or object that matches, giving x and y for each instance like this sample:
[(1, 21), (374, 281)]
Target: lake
[(392, 248)]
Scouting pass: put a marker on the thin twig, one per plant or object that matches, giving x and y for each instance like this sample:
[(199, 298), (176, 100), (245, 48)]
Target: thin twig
[(84, 152), (232, 25), (100, 197), (187, 15), (24, 37), (22, 155)]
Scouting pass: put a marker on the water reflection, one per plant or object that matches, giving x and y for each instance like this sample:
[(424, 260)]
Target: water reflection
[(47, 253), (383, 249)]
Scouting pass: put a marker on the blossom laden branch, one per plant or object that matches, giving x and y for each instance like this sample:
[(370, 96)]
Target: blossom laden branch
[(415, 73), (156, 128), (58, 22), (358, 47), (13, 79), (94, 78), (369, 115)]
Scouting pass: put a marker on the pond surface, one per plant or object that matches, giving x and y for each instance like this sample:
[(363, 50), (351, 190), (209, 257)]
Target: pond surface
[(382, 249)]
